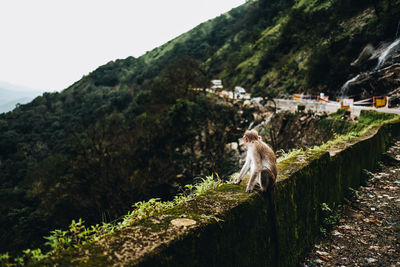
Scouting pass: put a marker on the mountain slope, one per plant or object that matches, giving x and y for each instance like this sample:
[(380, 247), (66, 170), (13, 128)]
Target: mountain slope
[(277, 46), (134, 128)]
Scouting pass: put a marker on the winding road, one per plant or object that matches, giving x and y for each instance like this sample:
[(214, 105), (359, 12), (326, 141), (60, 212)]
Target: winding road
[(287, 104)]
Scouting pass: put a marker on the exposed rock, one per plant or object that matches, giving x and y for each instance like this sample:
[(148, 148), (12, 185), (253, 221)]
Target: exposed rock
[(394, 98), (375, 83), (182, 222), (285, 130), (364, 56), (233, 146), (380, 73)]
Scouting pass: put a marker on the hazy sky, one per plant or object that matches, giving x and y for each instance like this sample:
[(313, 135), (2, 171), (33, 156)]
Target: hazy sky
[(50, 44)]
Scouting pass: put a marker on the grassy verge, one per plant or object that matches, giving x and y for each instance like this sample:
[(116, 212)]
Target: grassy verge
[(365, 123)]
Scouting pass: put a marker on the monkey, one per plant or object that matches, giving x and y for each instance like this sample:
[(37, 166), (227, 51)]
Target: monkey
[(260, 160)]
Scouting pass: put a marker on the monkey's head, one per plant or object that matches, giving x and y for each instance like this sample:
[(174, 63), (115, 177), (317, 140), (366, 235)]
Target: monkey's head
[(250, 136)]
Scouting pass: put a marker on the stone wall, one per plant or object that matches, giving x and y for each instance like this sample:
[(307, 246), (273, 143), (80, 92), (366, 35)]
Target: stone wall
[(228, 227)]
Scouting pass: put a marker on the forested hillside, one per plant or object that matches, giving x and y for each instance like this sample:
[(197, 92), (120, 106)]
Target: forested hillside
[(141, 127), (91, 151), (273, 47)]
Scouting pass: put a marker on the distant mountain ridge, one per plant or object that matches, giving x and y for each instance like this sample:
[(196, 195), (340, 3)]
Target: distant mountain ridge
[(11, 95)]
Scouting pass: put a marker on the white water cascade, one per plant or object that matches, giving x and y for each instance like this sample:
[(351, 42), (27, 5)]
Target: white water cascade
[(345, 87), (382, 58)]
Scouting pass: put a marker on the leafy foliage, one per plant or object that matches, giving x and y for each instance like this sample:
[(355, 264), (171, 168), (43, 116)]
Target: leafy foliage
[(92, 150), (330, 218), (366, 177), (78, 234)]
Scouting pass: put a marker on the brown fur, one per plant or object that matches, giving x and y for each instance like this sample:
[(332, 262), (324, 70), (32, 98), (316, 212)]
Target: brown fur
[(261, 161)]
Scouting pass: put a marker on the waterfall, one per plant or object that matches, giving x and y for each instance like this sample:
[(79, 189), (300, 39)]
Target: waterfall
[(385, 54), (345, 86)]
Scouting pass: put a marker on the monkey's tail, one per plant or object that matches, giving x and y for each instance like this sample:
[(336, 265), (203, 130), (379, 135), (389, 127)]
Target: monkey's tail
[(273, 211)]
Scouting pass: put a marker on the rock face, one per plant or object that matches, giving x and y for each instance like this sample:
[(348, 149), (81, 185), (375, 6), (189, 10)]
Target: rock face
[(380, 73), (394, 98), (379, 82), (286, 130)]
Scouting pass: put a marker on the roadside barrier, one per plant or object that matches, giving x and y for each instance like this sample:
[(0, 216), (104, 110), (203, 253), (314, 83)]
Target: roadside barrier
[(380, 101), (346, 103)]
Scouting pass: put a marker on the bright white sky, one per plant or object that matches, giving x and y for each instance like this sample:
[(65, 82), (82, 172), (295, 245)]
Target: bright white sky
[(50, 44)]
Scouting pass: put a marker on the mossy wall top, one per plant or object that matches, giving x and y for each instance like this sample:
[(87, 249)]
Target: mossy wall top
[(228, 227)]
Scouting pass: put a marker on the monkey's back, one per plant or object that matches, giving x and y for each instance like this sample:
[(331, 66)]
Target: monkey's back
[(267, 156)]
